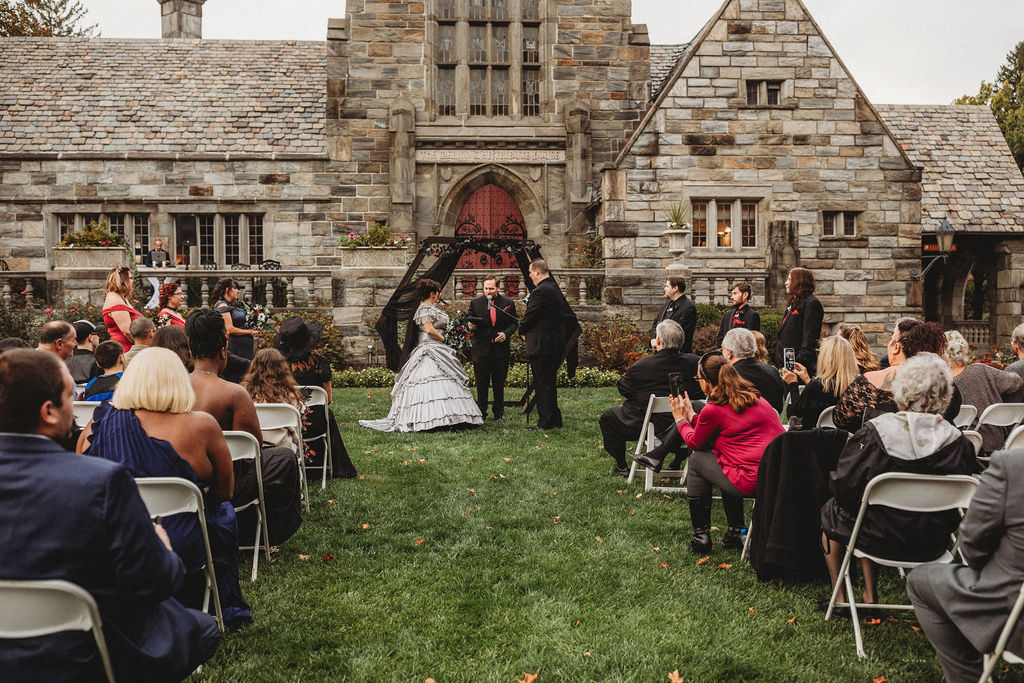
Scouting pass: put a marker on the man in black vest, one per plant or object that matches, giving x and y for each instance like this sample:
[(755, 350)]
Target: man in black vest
[(647, 376), (543, 326), (491, 348), (739, 348), (741, 314), (678, 308)]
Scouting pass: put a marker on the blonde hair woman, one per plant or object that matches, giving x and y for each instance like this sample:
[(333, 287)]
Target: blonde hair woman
[(866, 358), (118, 313), (761, 355), (837, 368), (150, 429)]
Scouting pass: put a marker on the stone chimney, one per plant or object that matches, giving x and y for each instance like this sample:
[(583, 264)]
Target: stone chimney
[(181, 18)]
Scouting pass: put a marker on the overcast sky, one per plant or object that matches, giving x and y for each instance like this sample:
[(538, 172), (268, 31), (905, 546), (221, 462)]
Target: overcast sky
[(900, 51)]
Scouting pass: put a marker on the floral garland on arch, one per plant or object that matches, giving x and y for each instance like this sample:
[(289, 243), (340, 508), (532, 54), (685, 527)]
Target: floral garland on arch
[(495, 247)]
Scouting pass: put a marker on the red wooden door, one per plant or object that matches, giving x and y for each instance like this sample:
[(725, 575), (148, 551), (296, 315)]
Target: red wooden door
[(489, 212)]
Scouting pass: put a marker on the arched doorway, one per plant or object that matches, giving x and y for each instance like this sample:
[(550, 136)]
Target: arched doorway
[(489, 212)]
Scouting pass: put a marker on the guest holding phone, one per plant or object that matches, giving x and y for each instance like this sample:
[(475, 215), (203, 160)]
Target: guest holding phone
[(801, 323)]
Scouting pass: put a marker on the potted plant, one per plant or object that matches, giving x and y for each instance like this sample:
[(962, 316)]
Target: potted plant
[(374, 248), (91, 247), (677, 227)]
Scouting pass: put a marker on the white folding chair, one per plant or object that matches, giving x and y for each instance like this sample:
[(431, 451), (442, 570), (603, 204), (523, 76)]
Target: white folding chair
[(924, 493), (1015, 439), (975, 439), (35, 608), (825, 419), (317, 399), (165, 496), (1002, 415), (284, 416), (965, 418), (244, 446), (79, 388), (647, 441), (83, 411), (1004, 636)]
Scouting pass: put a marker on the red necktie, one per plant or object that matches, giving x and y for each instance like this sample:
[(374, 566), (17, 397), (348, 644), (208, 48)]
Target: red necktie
[(494, 313)]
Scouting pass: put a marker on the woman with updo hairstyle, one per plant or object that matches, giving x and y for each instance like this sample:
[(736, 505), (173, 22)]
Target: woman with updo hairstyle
[(873, 390), (727, 439), (801, 323), (118, 313), (226, 300), (981, 385), (171, 297), (866, 358), (430, 391)]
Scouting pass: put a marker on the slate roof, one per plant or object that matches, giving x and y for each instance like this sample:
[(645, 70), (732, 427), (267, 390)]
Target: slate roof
[(663, 58), (179, 96), (969, 174)]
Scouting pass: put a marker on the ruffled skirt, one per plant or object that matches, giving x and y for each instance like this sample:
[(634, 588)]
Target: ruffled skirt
[(430, 392)]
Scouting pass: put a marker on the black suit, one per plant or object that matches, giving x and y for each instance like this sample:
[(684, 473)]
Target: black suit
[(647, 376), (683, 312), (765, 378), (490, 358), (543, 325), (745, 317), (800, 330)]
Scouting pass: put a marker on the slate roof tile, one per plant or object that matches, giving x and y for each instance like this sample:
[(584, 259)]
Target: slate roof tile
[(663, 59)]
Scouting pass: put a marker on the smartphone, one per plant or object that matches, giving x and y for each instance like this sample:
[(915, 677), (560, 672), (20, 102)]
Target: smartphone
[(676, 383), (789, 359)]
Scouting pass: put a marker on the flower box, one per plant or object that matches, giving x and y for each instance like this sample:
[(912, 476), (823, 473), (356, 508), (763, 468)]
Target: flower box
[(374, 257), (89, 258)]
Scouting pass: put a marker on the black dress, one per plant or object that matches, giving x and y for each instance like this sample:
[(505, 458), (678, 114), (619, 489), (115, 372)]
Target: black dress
[(315, 370), (800, 330), (809, 405), (238, 344)]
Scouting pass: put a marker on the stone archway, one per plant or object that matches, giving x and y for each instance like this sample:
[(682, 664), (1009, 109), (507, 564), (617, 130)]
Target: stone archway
[(534, 215)]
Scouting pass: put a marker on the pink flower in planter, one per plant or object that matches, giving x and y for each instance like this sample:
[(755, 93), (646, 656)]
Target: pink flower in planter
[(49, 310)]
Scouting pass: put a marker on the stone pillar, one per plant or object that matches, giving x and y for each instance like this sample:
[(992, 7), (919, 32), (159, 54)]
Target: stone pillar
[(1006, 308), (402, 127), (782, 255), (577, 151), (181, 18), (339, 143)]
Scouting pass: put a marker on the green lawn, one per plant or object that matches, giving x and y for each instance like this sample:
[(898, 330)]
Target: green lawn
[(482, 555)]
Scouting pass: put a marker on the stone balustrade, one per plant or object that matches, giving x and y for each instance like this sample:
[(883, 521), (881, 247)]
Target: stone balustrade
[(577, 284), (314, 283), (976, 332), (715, 286)]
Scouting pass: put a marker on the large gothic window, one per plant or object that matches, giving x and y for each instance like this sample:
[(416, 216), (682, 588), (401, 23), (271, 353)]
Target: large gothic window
[(487, 62)]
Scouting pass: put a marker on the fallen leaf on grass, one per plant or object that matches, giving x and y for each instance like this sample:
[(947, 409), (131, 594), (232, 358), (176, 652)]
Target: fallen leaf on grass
[(791, 619), (655, 550), (529, 678), (586, 654), (303, 557), (872, 622), (631, 512), (619, 492), (366, 526), (880, 679), (362, 478), (724, 565), (598, 539), (665, 565), (674, 677), (556, 518), (507, 459), (639, 495), (416, 543), (704, 559), (504, 431), (327, 557), (422, 461), (577, 623), (751, 610), (471, 491), (331, 501), (405, 462)]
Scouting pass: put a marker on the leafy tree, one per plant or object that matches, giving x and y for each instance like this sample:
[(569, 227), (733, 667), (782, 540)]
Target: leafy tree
[(43, 18), (1006, 98)]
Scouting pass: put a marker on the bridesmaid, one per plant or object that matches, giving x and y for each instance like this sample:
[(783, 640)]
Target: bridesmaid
[(225, 300), (171, 297), (118, 314), (801, 323)]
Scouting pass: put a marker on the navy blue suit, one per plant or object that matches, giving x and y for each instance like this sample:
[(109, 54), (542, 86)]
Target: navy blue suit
[(77, 518)]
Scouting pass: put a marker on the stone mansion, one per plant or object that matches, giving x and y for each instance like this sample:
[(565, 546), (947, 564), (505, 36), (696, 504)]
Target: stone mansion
[(554, 119)]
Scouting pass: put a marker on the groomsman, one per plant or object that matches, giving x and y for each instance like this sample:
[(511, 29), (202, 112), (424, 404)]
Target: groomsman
[(678, 308), (491, 348), (741, 314)]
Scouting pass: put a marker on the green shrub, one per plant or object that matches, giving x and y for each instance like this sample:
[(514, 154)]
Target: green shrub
[(378, 377), (19, 320), (615, 342), (705, 339), (373, 377), (710, 314), (771, 319)]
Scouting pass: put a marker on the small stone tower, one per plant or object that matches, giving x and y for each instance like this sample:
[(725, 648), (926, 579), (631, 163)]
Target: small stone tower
[(181, 18)]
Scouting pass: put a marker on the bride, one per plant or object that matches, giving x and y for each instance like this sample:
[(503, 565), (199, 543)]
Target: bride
[(430, 390)]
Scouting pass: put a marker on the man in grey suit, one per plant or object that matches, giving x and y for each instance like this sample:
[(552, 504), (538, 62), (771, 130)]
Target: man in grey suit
[(962, 608)]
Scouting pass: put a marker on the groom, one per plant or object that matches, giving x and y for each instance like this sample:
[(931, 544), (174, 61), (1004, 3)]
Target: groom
[(491, 348)]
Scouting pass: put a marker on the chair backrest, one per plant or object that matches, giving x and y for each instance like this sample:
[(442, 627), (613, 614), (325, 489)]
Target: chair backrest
[(278, 415), (1015, 439), (1002, 414), (242, 445), (975, 439), (659, 404), (965, 418), (39, 608), (825, 419), (166, 496), (317, 395), (920, 492), (83, 411)]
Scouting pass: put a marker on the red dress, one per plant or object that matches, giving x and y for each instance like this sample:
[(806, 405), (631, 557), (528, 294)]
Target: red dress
[(113, 330), (169, 316)]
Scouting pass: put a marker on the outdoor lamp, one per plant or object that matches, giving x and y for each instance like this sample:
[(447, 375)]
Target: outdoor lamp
[(944, 238)]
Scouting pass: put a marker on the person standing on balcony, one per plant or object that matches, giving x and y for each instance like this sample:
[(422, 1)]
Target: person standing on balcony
[(741, 314), (678, 308), (491, 348)]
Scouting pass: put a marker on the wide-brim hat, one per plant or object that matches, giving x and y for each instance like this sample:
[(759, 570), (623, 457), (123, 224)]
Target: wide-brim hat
[(297, 337)]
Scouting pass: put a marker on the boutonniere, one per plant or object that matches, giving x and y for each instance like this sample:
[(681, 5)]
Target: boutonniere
[(505, 309)]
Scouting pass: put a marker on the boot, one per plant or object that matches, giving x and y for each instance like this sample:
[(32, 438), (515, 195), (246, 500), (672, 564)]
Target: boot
[(700, 518), (733, 538)]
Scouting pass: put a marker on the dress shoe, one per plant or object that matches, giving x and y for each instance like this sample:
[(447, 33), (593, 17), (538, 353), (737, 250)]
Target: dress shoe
[(647, 461), (733, 539), (701, 542), (536, 428), (620, 471), (500, 420)]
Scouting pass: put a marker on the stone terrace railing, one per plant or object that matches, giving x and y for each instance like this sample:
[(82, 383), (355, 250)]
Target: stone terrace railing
[(318, 282), (7, 277), (715, 286), (578, 284), (977, 332)]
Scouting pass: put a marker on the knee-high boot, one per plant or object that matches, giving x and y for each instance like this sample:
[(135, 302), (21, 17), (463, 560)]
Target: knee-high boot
[(700, 518), (733, 505)]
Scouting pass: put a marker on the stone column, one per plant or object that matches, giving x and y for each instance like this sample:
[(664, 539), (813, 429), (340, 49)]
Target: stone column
[(339, 143), (1006, 305), (782, 255), (577, 151), (402, 128), (181, 18)]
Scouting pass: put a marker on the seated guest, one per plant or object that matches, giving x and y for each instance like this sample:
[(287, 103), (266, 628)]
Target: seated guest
[(142, 330), (59, 337), (297, 341), (982, 385), (82, 363), (837, 368), (151, 428), (915, 439), (726, 440), (175, 339), (9, 343), (739, 347), (866, 358), (1017, 343), (110, 358), (761, 355), (269, 380), (872, 390), (82, 520), (963, 607), (646, 376), (231, 406)]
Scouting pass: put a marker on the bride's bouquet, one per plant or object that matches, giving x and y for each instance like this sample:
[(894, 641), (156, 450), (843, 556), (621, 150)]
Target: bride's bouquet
[(457, 334)]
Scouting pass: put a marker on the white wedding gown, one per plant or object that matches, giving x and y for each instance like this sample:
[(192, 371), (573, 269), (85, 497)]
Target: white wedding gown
[(430, 390)]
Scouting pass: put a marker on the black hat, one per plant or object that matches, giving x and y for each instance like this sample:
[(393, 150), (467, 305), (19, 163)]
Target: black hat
[(297, 337), (83, 328)]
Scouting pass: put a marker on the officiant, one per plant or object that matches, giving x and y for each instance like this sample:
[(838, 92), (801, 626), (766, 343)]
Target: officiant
[(492, 321)]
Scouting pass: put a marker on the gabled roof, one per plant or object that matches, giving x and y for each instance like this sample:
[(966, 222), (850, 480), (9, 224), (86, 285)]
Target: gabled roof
[(663, 58), (969, 176), (96, 95)]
